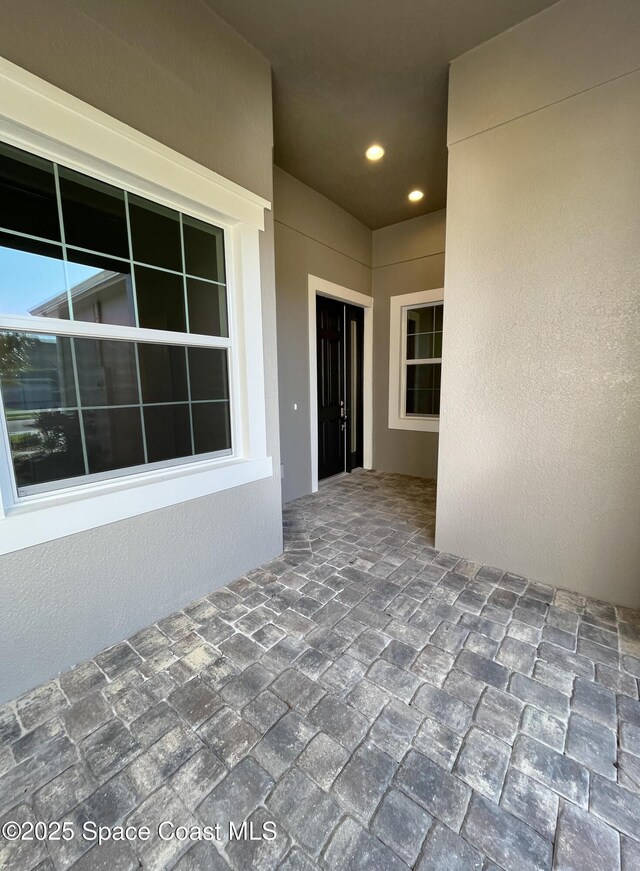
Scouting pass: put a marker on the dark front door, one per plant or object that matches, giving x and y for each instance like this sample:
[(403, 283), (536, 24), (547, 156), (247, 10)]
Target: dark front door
[(339, 348), (330, 342)]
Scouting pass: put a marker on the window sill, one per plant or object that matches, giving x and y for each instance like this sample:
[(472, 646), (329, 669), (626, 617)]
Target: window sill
[(66, 512), (417, 424)]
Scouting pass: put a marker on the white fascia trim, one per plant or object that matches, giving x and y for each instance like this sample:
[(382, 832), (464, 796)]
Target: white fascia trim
[(70, 511), (320, 286), (33, 112), (398, 420)]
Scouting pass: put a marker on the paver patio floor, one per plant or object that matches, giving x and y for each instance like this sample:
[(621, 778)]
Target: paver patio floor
[(383, 704)]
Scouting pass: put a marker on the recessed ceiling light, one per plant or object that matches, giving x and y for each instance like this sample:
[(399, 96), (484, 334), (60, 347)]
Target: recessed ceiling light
[(374, 152), (414, 196)]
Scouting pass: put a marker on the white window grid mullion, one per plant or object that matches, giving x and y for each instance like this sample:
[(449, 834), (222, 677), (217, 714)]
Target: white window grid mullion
[(186, 352), (56, 177), (137, 323), (74, 363), (83, 439), (8, 483), (184, 276)]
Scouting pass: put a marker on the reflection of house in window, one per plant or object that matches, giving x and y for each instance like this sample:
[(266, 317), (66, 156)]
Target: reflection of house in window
[(104, 298)]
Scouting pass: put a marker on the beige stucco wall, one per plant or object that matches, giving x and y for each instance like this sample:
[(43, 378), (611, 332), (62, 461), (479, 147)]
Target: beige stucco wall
[(178, 73), (407, 257), (313, 236), (538, 467)]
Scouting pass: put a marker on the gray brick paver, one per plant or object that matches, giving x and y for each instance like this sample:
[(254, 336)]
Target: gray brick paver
[(389, 706)]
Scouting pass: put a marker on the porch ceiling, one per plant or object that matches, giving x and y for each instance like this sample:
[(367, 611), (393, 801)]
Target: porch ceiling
[(347, 74)]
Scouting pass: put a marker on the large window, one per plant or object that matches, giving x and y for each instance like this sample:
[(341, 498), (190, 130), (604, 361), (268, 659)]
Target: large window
[(131, 361), (415, 360), (77, 249)]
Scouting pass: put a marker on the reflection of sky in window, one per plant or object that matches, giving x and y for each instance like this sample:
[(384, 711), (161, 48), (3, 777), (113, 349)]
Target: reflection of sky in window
[(27, 280), (78, 273)]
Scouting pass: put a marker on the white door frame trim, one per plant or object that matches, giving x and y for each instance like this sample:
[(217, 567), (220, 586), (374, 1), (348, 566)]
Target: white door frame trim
[(321, 287)]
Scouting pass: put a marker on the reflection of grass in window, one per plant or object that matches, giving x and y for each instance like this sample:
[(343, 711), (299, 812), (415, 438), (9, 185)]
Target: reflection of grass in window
[(24, 441)]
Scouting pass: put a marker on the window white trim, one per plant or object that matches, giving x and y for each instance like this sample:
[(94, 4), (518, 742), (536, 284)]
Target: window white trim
[(397, 417), (321, 287), (39, 117), (88, 506), (42, 119)]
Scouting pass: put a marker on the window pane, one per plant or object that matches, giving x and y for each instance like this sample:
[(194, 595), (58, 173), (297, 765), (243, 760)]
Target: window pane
[(423, 388), (160, 298), (207, 308), (45, 446), (107, 372), (203, 249), (93, 214), (163, 373), (155, 234), (420, 377), (114, 438), (28, 194), (208, 373), (439, 311), (32, 278), (420, 320), (437, 344), (420, 347), (424, 402), (37, 379), (101, 289), (211, 429), (168, 432), (36, 371)]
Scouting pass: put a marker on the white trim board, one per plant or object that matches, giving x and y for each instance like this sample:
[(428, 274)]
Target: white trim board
[(397, 420), (322, 287)]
